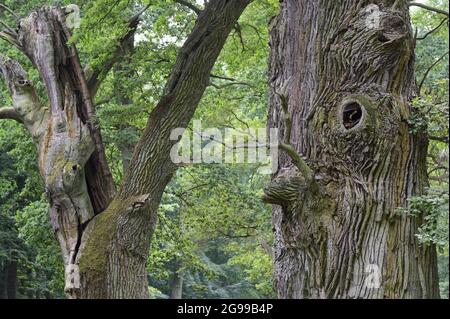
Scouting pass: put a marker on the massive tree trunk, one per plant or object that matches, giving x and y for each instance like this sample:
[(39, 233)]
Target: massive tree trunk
[(342, 77), (105, 236)]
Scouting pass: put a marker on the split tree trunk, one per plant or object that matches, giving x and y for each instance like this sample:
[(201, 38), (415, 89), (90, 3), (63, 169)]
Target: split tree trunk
[(345, 71), (105, 237)]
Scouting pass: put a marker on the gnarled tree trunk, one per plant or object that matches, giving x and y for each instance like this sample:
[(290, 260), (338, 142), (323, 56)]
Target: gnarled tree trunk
[(105, 236), (344, 73)]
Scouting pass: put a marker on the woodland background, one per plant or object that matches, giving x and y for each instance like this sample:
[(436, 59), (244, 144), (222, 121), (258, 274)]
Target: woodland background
[(213, 230)]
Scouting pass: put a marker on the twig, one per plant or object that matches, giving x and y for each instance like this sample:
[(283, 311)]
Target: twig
[(429, 8), (238, 30), (428, 71), (443, 139)]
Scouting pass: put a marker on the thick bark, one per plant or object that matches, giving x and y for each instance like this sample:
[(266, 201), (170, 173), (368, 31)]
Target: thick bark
[(345, 69)]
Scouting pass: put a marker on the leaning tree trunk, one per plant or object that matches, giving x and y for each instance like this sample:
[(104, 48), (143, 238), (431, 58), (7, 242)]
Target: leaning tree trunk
[(105, 237), (342, 77)]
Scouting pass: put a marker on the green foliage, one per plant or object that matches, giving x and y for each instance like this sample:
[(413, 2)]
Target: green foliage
[(25, 233), (255, 264), (433, 207), (431, 116)]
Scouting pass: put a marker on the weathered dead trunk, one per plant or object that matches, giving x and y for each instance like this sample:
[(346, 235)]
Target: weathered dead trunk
[(105, 238), (345, 72)]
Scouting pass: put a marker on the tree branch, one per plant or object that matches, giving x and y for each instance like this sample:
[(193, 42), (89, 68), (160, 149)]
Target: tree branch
[(441, 178), (9, 30), (8, 113), (231, 80), (219, 87), (238, 30), (297, 160), (239, 120), (221, 77), (6, 8), (98, 75), (189, 5), (428, 71), (429, 8), (9, 34), (10, 37)]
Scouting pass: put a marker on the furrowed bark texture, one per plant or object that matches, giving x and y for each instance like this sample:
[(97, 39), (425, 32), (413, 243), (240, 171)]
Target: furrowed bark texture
[(346, 70)]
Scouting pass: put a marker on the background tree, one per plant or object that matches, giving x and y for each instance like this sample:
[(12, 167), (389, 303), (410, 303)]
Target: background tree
[(431, 104), (342, 83)]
